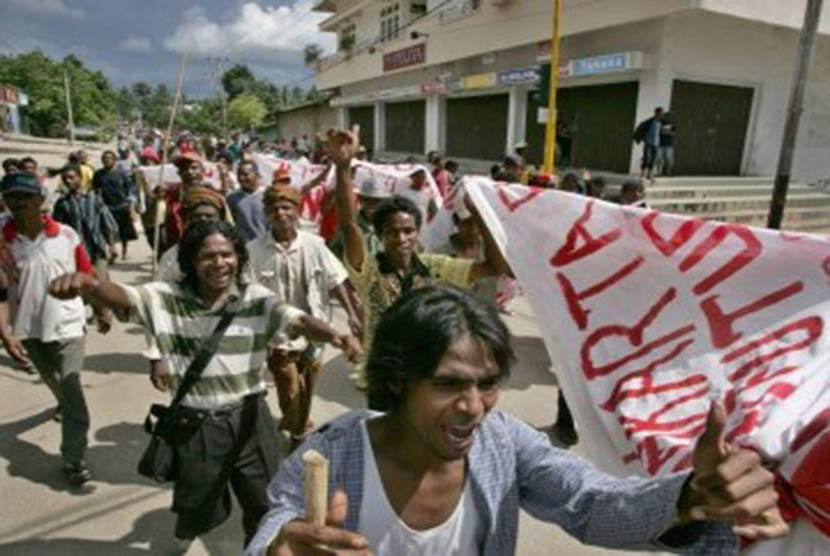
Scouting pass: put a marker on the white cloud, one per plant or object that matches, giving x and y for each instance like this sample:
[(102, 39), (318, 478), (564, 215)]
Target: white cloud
[(136, 44), (254, 29), (50, 7)]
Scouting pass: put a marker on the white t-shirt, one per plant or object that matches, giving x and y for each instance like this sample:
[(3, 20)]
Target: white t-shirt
[(388, 535), (57, 250)]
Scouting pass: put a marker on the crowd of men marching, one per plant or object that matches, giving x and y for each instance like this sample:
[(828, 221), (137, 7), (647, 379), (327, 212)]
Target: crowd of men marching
[(244, 285)]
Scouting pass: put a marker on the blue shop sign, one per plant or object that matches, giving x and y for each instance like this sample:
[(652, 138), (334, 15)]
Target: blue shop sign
[(518, 76), (600, 64)]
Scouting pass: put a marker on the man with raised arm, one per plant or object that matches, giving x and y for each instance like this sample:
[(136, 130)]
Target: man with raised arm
[(398, 268)]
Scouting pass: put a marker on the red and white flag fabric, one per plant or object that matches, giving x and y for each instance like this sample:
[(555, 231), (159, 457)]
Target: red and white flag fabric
[(392, 178), (171, 177), (649, 316)]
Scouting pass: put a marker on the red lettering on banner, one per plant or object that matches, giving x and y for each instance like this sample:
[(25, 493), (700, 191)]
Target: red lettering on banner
[(654, 457), (721, 324), (569, 252), (751, 251), (572, 297), (680, 237), (635, 338), (652, 423), (511, 204), (621, 393), (813, 326)]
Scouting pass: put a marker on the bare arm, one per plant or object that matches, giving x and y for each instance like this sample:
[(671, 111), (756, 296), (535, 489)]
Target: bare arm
[(11, 342), (355, 322), (318, 331), (494, 263), (342, 146), (99, 292)]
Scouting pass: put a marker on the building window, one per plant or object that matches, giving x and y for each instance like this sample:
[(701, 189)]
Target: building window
[(348, 37), (458, 9), (390, 22)]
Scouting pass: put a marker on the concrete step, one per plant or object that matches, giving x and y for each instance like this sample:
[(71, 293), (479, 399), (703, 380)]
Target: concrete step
[(706, 191), (717, 181), (792, 214), (732, 202)]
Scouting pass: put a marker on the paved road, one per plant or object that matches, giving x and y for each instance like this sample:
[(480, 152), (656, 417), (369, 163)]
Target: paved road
[(121, 513)]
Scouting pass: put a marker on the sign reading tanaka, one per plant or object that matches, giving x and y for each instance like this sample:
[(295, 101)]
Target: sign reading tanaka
[(405, 57)]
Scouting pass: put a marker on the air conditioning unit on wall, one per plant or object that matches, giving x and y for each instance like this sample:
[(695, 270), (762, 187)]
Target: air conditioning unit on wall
[(418, 7)]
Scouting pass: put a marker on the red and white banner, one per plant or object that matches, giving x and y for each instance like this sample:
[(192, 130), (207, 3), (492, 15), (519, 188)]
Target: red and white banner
[(171, 177), (649, 316), (393, 178)]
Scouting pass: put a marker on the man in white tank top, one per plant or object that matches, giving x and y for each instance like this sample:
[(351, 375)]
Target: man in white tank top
[(443, 473)]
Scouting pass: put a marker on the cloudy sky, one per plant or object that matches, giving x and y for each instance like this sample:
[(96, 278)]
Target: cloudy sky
[(139, 40)]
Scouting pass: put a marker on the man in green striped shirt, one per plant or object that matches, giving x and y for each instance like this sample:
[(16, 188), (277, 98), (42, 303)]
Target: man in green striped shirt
[(228, 398)]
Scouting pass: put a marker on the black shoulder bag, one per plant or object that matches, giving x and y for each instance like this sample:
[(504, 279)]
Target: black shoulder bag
[(168, 425)]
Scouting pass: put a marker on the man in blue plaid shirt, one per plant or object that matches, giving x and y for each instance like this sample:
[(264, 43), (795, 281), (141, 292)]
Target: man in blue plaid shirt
[(87, 214), (441, 472)]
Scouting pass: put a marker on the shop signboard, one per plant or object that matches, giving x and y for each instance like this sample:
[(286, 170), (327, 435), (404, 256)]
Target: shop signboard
[(433, 87), (607, 63), (479, 81), (399, 92), (405, 57), (518, 76)]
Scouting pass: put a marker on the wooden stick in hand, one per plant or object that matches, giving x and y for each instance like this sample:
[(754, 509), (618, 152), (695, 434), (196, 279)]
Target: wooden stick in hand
[(316, 487)]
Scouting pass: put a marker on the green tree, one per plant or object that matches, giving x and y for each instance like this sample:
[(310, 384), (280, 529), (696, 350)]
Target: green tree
[(246, 111), (237, 80), (204, 118), (94, 102), (312, 54), (141, 90)]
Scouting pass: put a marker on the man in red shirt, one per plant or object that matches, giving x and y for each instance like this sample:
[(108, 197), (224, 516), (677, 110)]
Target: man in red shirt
[(192, 172)]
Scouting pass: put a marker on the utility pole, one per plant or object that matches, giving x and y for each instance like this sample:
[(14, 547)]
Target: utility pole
[(550, 130), (785, 157), (224, 114), (69, 108)]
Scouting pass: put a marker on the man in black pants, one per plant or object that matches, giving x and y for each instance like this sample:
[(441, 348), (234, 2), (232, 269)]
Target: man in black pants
[(231, 442)]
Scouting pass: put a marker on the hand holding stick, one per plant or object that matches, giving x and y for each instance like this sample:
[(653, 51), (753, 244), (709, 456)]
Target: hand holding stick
[(316, 487)]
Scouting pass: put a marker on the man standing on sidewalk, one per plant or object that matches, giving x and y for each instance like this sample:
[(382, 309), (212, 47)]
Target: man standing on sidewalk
[(300, 269), (648, 132), (35, 326)]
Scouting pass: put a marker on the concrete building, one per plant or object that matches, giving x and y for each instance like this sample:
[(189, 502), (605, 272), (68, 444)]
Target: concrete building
[(459, 76), (306, 119)]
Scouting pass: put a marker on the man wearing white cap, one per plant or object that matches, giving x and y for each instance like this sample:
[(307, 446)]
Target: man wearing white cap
[(370, 195)]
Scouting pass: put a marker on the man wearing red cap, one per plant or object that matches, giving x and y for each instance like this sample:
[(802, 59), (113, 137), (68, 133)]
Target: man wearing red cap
[(301, 270), (192, 172)]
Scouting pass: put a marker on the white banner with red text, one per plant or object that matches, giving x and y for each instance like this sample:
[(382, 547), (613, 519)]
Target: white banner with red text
[(649, 316)]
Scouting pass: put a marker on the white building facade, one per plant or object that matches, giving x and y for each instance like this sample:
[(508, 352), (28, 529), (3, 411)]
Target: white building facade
[(459, 77)]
